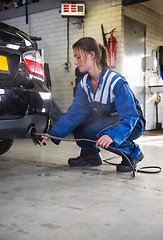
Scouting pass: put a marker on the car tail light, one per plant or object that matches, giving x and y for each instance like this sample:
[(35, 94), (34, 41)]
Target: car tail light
[(33, 63)]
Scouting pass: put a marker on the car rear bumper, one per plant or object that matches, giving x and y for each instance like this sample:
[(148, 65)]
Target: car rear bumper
[(20, 128)]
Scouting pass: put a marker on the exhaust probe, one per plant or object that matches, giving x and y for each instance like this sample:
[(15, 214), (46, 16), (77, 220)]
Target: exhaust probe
[(37, 137)]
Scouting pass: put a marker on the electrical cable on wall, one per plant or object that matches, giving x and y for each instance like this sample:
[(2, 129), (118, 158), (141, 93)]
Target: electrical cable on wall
[(26, 11), (80, 26), (68, 64)]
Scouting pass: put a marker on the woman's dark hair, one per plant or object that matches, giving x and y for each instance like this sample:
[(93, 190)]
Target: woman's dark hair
[(88, 44)]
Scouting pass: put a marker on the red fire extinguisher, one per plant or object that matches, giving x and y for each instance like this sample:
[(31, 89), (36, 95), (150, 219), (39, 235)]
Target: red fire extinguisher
[(112, 49)]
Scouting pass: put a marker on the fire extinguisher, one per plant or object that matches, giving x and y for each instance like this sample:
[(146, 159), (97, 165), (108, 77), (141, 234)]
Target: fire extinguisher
[(112, 49)]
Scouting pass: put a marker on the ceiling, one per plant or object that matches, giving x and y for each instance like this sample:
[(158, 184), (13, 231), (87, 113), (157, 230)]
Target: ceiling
[(155, 5)]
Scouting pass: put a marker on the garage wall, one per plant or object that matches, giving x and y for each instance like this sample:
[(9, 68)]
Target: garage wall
[(52, 28), (154, 39)]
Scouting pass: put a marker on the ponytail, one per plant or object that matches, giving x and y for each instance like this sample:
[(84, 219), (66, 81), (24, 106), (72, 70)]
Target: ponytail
[(104, 56)]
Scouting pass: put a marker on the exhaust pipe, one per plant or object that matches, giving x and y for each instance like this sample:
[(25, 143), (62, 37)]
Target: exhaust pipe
[(32, 132)]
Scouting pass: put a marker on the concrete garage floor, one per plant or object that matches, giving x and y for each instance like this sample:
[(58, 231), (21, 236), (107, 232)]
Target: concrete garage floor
[(41, 197)]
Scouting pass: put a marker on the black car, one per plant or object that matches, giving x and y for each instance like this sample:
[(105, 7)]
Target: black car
[(25, 99)]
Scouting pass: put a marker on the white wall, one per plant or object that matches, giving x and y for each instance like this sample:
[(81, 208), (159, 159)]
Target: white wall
[(52, 28)]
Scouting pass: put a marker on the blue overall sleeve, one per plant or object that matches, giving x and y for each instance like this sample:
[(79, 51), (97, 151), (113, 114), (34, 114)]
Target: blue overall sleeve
[(127, 112), (77, 113)]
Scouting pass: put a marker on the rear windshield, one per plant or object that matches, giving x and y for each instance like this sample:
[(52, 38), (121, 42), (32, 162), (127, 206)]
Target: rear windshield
[(16, 39)]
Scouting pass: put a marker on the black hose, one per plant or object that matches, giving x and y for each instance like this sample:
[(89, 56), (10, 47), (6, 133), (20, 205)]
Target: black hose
[(142, 169), (158, 169), (88, 140)]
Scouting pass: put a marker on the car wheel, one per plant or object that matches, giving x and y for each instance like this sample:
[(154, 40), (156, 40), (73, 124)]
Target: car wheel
[(5, 145)]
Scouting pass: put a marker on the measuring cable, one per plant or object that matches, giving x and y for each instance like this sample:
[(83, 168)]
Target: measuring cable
[(157, 169)]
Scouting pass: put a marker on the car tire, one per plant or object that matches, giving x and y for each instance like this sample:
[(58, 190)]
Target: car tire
[(5, 145)]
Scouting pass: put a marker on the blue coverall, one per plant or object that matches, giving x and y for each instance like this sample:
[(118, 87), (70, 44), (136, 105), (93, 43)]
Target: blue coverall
[(112, 110)]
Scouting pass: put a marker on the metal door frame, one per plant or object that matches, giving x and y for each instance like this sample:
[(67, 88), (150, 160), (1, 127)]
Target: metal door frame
[(145, 28)]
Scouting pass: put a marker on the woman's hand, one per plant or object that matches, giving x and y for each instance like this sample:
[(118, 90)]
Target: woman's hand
[(40, 141), (44, 138), (34, 141), (104, 141)]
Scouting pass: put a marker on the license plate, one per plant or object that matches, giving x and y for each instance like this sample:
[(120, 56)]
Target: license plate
[(4, 64)]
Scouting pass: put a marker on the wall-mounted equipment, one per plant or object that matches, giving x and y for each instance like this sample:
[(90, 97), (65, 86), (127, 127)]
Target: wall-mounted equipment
[(72, 9), (112, 49), (150, 63), (111, 46)]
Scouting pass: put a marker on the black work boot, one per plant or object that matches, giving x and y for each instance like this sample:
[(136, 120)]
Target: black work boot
[(125, 166), (84, 160)]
